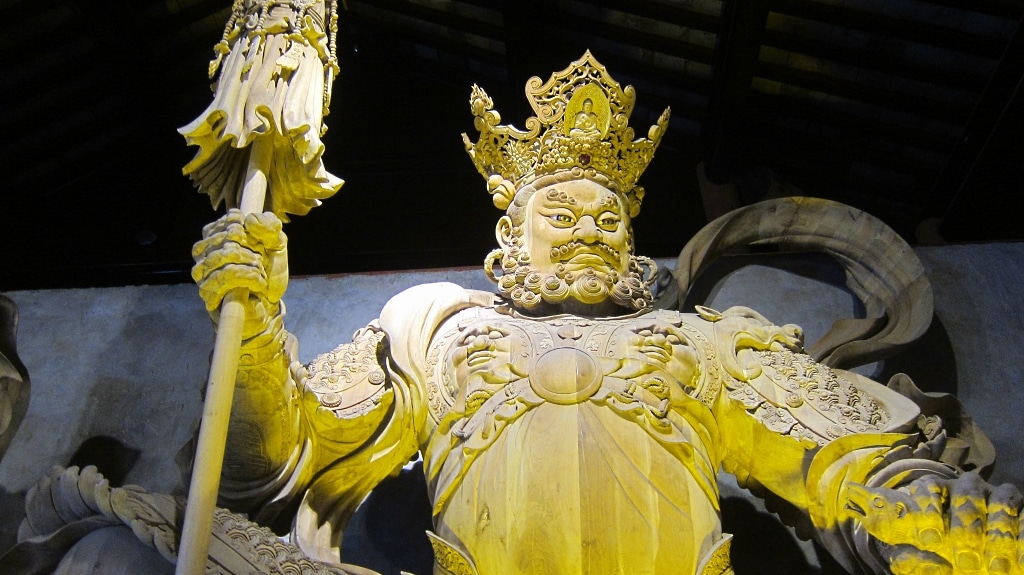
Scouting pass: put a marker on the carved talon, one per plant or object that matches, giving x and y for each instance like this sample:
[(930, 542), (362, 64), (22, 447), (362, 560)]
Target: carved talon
[(961, 526)]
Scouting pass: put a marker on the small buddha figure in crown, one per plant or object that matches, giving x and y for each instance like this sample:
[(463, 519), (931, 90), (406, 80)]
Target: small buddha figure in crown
[(586, 121), (565, 425)]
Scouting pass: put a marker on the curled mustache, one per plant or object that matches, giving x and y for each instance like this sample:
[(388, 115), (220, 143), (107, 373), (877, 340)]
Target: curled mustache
[(571, 249)]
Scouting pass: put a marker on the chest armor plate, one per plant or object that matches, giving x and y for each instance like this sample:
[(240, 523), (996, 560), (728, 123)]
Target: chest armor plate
[(479, 353)]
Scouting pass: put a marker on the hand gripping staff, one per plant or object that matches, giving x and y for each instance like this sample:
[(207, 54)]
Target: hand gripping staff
[(259, 149)]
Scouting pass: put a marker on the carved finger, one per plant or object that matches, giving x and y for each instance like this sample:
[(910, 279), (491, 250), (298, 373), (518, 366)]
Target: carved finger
[(267, 228), (906, 560), (227, 255), (967, 511), (204, 246), (1002, 528), (232, 233), (1020, 545), (227, 278), (233, 216), (929, 494)]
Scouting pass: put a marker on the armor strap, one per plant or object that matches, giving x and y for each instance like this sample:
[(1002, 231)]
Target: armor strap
[(716, 561), (448, 559)]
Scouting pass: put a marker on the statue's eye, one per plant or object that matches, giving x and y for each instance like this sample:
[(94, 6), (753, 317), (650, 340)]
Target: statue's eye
[(608, 221), (562, 218)]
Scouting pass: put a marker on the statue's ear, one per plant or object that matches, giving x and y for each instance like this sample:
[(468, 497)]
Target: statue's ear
[(631, 201), (503, 232)]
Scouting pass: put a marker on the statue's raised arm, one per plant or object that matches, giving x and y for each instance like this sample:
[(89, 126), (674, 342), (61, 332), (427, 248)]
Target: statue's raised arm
[(259, 148), (249, 251)]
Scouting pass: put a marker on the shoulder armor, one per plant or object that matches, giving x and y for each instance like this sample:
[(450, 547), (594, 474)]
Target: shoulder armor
[(350, 380), (795, 395), (789, 392)]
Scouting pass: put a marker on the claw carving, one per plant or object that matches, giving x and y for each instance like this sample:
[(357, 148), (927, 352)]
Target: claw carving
[(951, 526)]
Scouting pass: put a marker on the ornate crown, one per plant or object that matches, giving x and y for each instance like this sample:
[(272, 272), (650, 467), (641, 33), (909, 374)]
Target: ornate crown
[(582, 123)]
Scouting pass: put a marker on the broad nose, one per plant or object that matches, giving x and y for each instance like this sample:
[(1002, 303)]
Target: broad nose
[(478, 343), (657, 339), (586, 230)]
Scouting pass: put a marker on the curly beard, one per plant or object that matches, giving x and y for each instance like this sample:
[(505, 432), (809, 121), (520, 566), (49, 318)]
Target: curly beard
[(528, 288)]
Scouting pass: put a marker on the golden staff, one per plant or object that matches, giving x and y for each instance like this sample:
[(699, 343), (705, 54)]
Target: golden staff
[(259, 149)]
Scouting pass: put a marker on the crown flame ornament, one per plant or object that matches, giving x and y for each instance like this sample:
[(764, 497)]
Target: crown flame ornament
[(581, 123)]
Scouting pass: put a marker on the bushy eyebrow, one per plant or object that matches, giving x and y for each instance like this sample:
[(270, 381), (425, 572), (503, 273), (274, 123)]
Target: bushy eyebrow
[(609, 203), (556, 203)]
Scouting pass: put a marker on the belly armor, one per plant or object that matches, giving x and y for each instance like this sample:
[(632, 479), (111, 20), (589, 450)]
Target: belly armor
[(572, 445)]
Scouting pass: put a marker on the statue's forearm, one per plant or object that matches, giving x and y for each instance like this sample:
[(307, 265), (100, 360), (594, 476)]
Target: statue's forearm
[(265, 432)]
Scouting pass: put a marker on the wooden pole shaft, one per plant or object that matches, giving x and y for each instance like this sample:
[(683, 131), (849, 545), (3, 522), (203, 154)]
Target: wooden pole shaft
[(213, 431), (220, 390)]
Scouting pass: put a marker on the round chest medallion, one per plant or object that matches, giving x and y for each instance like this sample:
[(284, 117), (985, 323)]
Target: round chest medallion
[(565, 376)]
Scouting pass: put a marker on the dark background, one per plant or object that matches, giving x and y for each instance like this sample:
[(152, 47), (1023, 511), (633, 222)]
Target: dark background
[(908, 109)]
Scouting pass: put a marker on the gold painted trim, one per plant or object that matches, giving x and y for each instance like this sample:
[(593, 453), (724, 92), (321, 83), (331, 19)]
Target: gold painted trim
[(717, 562), (449, 560)]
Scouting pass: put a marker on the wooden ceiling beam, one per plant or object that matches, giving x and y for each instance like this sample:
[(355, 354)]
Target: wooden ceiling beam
[(456, 22), (183, 21), (529, 35), (994, 124), (488, 4), (723, 147), (1009, 9), (827, 150), (881, 25), (765, 105), (674, 14), (408, 33), (852, 90), (966, 80), (642, 39)]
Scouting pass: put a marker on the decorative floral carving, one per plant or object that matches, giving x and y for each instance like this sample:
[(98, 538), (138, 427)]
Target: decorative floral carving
[(262, 548), (450, 560), (804, 391), (83, 498), (350, 379), (441, 390)]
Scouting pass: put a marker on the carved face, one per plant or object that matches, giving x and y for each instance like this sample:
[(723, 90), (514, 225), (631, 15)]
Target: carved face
[(658, 347), (569, 246), (483, 361), (576, 225)]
